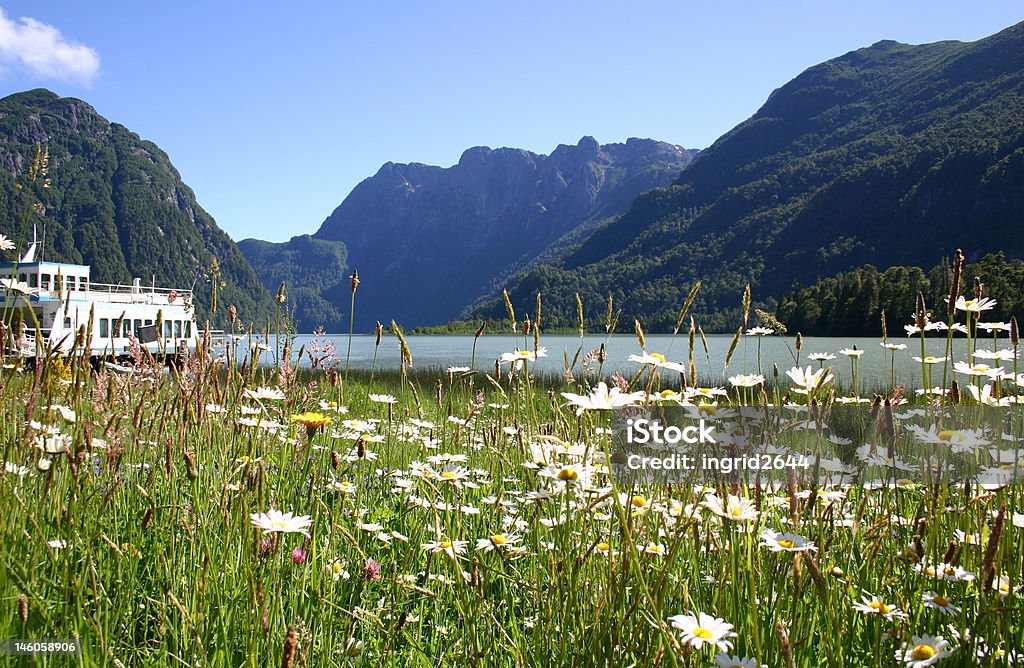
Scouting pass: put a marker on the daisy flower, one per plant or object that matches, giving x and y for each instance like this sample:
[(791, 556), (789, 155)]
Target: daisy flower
[(382, 398), (877, 606), (700, 629), (277, 522), (264, 394), (786, 542), (496, 542), (851, 352), (940, 603), (923, 651), (657, 360), (806, 379), (974, 305), (735, 508), (747, 380), (450, 547), (601, 398), (725, 660), (760, 331)]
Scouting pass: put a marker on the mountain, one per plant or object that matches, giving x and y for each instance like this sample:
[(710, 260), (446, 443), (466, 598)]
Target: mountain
[(114, 201), (889, 155), (428, 240)]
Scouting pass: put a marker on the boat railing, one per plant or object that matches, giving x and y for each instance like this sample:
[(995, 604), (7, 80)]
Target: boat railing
[(137, 294)]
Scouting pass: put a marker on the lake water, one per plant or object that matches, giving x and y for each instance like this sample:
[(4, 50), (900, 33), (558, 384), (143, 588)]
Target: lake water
[(445, 351)]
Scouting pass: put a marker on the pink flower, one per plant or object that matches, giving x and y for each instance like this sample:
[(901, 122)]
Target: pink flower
[(371, 569), (299, 555)]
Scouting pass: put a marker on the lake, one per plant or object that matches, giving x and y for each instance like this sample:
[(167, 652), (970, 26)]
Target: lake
[(445, 351)]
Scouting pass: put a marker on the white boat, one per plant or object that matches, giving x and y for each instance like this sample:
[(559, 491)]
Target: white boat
[(48, 305)]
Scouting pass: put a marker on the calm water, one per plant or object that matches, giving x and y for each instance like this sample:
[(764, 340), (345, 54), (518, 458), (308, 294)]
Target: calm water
[(445, 351)]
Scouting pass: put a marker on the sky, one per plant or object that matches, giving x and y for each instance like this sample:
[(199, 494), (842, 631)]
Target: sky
[(272, 113)]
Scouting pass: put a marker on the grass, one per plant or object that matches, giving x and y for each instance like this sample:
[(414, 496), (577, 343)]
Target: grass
[(151, 487)]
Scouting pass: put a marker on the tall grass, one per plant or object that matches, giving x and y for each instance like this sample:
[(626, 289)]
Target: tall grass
[(134, 536)]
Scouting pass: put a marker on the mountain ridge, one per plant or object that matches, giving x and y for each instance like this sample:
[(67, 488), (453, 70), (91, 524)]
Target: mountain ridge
[(116, 202), (427, 240)]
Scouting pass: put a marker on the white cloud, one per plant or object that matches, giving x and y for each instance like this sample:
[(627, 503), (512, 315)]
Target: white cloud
[(38, 49)]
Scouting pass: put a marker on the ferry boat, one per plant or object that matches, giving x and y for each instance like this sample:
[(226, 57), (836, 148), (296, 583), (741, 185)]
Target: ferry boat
[(48, 305)]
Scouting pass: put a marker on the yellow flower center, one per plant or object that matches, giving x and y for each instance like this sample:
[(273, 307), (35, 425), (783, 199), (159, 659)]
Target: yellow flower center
[(703, 633), (448, 475), (949, 570), (929, 571), (939, 600), (659, 357), (499, 539), (336, 567), (946, 435), (880, 607), (638, 501), (980, 368), (568, 474), (736, 511), (923, 652), (707, 409), (604, 547), (445, 545), (279, 525), (786, 543), (667, 393)]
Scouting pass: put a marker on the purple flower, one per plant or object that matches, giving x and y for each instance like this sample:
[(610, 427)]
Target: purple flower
[(299, 555), (371, 569)]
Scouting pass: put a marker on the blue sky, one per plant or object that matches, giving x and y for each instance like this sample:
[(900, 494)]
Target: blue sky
[(273, 113)]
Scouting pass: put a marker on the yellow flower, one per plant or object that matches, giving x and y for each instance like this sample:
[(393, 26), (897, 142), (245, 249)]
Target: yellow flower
[(313, 420)]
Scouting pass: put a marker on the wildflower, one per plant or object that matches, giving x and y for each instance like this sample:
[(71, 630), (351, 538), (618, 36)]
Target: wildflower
[(450, 547), (601, 398), (748, 380), (944, 571), (313, 422), (724, 660), (277, 522), (786, 542), (806, 380), (382, 398), (851, 352), (652, 548), (5, 243), (930, 359), (658, 361), (700, 629), (517, 356), (760, 331), (821, 357), (877, 606), (338, 571), (984, 396), (940, 603), (974, 305), (299, 555), (497, 541), (977, 369), (924, 650), (735, 508), (264, 394), (893, 346), (371, 569), (352, 648)]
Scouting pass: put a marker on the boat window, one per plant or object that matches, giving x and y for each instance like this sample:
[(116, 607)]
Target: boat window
[(22, 278), (33, 280), (67, 323), (188, 329), (167, 329), (104, 328), (44, 281), (137, 325), (83, 284), (72, 283), (126, 328), (148, 322), (177, 329)]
